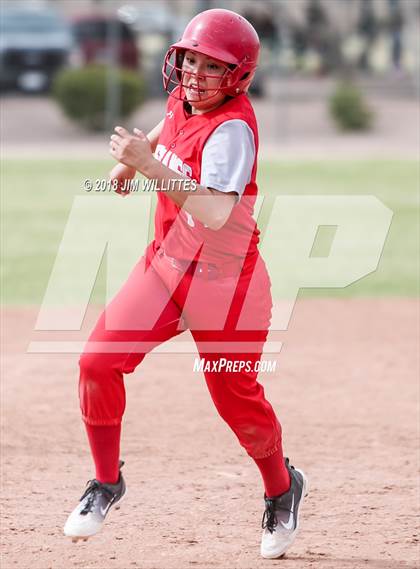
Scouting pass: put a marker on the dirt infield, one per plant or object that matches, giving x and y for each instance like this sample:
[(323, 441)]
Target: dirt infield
[(345, 390)]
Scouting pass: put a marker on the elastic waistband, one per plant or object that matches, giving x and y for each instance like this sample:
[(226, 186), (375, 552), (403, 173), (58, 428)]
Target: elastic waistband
[(209, 271)]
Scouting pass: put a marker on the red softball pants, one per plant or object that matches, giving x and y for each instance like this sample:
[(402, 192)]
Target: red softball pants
[(158, 302)]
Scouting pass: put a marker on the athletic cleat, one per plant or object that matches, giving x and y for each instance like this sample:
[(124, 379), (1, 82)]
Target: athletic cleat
[(281, 516), (87, 518)]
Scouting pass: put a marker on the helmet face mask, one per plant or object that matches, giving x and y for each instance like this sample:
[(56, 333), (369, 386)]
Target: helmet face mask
[(176, 74), (223, 36)]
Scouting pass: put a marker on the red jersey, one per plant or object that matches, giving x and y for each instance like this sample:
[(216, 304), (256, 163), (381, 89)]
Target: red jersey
[(180, 147)]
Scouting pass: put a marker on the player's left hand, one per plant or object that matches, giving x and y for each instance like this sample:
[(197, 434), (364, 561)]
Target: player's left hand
[(133, 150)]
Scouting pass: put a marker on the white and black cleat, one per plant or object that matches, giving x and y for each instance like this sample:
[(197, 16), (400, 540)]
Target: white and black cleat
[(88, 516), (281, 516)]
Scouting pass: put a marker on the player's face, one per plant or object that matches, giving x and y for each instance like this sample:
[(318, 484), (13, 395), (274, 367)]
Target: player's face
[(201, 78)]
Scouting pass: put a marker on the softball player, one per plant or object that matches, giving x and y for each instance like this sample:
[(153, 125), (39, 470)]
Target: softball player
[(202, 272)]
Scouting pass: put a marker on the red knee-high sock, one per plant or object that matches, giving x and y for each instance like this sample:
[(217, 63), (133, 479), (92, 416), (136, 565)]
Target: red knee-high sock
[(105, 447), (275, 474)]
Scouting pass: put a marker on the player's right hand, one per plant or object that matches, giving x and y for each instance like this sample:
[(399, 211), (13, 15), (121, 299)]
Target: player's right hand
[(121, 173)]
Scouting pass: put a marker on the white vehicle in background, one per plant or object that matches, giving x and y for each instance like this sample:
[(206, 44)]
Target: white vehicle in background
[(35, 43)]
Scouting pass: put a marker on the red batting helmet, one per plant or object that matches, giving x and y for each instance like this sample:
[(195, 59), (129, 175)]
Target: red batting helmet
[(222, 35)]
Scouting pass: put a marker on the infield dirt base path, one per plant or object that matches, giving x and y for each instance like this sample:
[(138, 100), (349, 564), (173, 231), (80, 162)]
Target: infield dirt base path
[(345, 391)]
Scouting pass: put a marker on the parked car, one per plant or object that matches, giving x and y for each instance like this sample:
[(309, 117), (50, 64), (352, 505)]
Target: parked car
[(35, 43), (94, 35)]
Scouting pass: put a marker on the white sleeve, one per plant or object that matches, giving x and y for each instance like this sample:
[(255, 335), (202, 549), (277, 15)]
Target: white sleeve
[(228, 157)]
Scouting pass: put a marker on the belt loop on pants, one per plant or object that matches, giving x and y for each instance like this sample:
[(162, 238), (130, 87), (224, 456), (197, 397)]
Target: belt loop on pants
[(208, 271)]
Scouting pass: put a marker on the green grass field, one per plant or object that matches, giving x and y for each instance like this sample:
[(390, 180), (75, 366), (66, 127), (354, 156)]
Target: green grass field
[(37, 196)]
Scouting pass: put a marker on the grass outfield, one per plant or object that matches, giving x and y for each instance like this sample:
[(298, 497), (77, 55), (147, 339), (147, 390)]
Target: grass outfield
[(37, 197)]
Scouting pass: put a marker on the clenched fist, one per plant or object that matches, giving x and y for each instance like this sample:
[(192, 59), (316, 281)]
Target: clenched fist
[(133, 150)]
